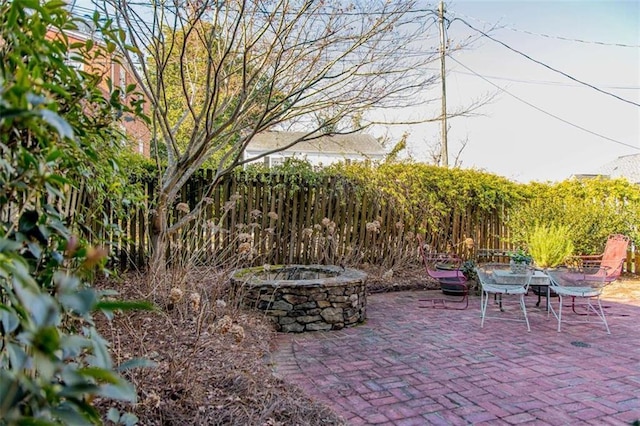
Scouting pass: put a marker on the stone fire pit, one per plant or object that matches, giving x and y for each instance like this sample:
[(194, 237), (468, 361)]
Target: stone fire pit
[(304, 297)]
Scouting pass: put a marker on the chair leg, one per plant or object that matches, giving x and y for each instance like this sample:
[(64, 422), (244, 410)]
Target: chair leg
[(560, 313), (524, 311), (443, 303), (601, 314), (484, 298)]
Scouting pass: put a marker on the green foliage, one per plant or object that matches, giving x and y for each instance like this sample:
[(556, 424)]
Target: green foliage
[(550, 245), (138, 167), (429, 194), (55, 133), (520, 256), (590, 209), (292, 173)]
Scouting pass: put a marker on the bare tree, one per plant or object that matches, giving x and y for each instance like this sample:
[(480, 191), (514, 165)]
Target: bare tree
[(267, 64)]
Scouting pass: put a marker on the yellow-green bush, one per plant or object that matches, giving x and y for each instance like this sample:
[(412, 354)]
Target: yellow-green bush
[(549, 245)]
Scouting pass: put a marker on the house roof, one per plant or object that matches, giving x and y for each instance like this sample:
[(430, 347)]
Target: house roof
[(355, 143), (626, 166)]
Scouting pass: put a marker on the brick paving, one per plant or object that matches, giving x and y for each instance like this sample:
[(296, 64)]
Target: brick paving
[(412, 366)]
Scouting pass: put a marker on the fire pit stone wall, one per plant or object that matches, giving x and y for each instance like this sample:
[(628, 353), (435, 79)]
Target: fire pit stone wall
[(304, 297)]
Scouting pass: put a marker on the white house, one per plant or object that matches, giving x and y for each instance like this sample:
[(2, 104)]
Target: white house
[(323, 151), (626, 166)]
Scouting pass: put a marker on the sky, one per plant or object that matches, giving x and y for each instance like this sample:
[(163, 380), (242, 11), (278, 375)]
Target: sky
[(518, 138), (540, 125)]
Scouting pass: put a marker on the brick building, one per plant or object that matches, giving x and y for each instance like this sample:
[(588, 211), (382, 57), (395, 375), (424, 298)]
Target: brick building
[(137, 131)]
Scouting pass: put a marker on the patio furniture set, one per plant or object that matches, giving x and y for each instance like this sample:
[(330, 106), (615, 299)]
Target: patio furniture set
[(578, 286)]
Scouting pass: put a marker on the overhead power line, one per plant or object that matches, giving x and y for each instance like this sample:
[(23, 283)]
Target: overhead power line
[(548, 66), (577, 40), (542, 110), (547, 83)]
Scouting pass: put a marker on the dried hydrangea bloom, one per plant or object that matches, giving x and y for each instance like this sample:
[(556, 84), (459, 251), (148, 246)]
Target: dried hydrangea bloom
[(194, 298), (237, 332), (326, 221), (331, 228), (399, 224), (469, 243), (235, 197), (175, 295), (306, 232), (255, 213), (373, 226), (273, 215), (183, 207), (244, 248), (223, 325)]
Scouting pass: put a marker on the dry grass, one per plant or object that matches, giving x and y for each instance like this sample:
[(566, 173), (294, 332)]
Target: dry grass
[(210, 356)]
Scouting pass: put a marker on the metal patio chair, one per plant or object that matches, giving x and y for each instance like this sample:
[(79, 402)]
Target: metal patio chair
[(499, 280), (612, 258), (579, 282), (446, 270)]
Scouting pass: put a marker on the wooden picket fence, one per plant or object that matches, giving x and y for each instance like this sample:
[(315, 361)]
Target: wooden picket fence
[(273, 219)]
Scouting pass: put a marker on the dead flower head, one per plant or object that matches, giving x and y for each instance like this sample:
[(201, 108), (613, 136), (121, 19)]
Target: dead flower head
[(244, 236), (244, 248), (331, 228), (237, 332), (183, 207), (194, 298), (175, 295), (326, 221), (273, 215), (223, 325), (373, 226), (469, 243), (255, 213)]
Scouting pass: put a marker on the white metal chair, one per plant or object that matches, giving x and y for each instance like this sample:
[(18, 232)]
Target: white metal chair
[(586, 283), (498, 279)]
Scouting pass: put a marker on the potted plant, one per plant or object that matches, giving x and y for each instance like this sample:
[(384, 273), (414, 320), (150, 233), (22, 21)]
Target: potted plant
[(519, 260)]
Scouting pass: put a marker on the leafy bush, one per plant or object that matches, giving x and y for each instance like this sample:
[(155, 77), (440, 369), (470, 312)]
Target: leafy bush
[(550, 245), (54, 120), (590, 209)]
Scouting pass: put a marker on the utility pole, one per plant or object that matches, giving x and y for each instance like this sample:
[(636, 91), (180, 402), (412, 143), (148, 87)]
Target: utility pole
[(444, 153)]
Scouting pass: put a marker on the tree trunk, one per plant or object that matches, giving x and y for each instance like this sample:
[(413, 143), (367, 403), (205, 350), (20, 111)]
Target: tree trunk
[(158, 234)]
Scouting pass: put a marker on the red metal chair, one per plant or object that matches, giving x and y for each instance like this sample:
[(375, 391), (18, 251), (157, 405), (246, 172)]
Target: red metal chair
[(446, 270), (612, 258)]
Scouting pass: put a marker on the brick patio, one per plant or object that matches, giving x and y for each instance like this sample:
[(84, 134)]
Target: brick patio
[(412, 366)]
